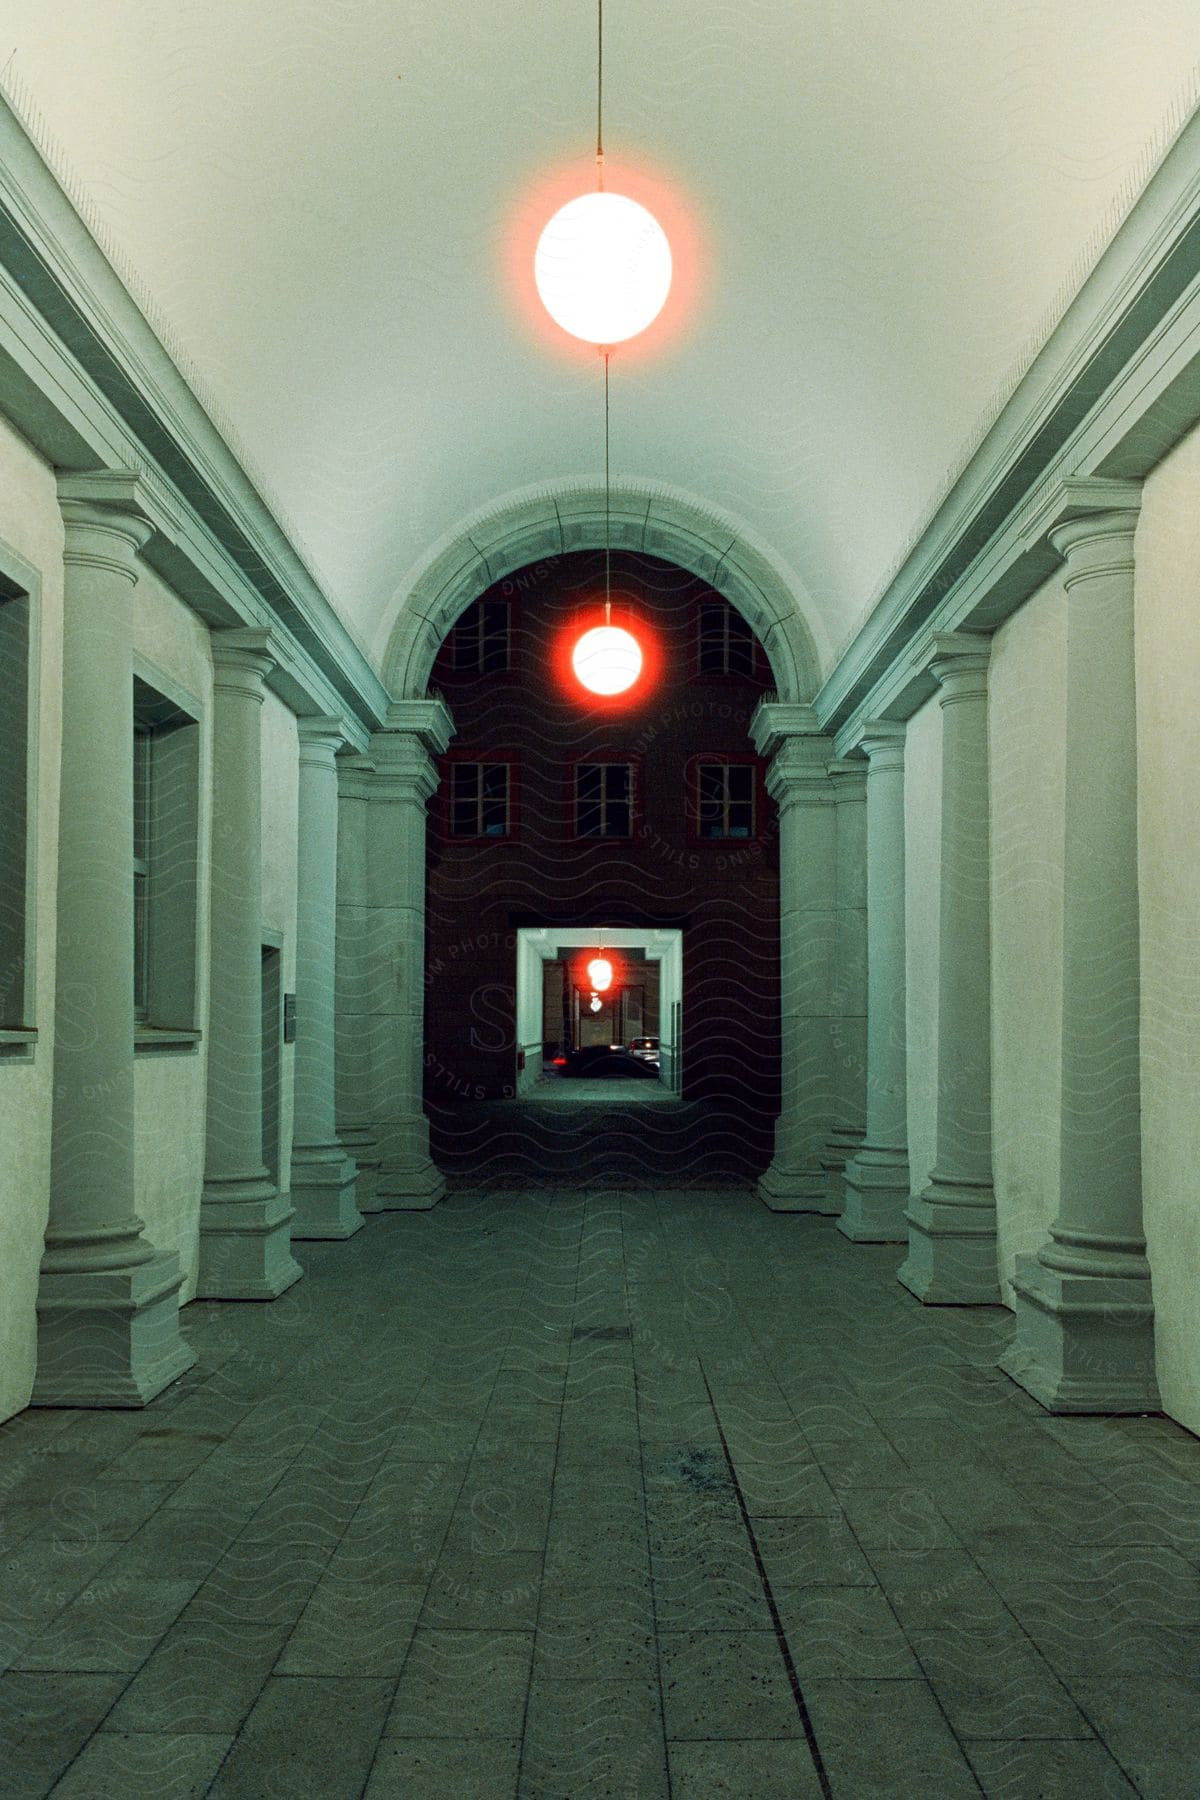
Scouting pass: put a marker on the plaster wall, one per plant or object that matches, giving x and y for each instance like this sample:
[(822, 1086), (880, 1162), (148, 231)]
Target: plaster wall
[(1168, 671), (922, 882), (169, 1085), (280, 800), (1027, 746), (31, 525)]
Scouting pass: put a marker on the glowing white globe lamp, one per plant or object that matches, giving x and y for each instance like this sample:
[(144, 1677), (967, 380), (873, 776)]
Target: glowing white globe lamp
[(600, 973), (607, 660), (603, 268), (595, 1003)]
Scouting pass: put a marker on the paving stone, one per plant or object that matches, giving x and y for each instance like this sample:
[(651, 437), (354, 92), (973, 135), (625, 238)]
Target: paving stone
[(306, 1735), (143, 1767), (1047, 1770), (203, 1676), (903, 1518), (1151, 1725), (847, 1631), (769, 1769), (463, 1683), (353, 1628), (109, 1625), (479, 1768), (45, 1719), (593, 1737), (492, 1593), (819, 1552), (997, 1686), (722, 1684), (884, 1739)]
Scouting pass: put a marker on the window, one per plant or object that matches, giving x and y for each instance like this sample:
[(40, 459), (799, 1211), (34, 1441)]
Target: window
[(166, 783), (725, 797), (727, 645), (481, 800), (481, 642), (16, 900), (604, 799)]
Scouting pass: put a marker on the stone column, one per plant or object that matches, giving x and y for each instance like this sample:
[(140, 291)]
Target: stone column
[(351, 989), (798, 781), (245, 1222), (323, 1176), (849, 998), (108, 1301), (1084, 1339), (404, 779), (877, 1175), (952, 1224)]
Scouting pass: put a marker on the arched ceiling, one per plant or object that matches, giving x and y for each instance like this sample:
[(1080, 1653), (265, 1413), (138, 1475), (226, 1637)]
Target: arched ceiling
[(886, 203)]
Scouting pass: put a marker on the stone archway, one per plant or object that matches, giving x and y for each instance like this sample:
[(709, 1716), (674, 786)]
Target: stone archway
[(528, 527), (513, 534)]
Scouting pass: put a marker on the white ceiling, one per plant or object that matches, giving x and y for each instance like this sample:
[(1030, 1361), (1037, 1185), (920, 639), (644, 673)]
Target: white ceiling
[(887, 200)]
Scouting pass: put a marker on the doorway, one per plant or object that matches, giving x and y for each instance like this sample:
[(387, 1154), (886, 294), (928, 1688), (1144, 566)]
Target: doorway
[(558, 1014)]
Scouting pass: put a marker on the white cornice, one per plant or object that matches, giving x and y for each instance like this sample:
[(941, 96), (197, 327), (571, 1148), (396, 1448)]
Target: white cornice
[(87, 379)]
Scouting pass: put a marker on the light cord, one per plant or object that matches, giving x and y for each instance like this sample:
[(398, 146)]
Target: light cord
[(607, 507), (600, 94)]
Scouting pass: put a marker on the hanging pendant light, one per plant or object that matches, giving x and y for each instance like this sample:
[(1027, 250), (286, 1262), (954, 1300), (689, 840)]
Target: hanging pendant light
[(603, 264)]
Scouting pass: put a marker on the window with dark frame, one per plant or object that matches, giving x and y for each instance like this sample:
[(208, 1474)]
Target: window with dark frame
[(142, 777), (480, 800), (726, 643), (481, 642), (16, 920), (166, 818), (604, 799), (725, 800)]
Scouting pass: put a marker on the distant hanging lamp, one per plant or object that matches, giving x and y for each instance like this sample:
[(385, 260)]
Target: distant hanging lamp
[(603, 264)]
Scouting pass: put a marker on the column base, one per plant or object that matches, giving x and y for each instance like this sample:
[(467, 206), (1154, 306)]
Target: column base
[(358, 1141), (877, 1192), (792, 1190), (245, 1242), (324, 1193), (952, 1245), (1083, 1343), (412, 1185), (109, 1337), (840, 1150)]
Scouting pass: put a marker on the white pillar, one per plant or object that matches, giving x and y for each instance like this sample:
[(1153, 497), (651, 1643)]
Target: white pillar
[(245, 1222), (1084, 1338), (108, 1301), (877, 1175), (323, 1176), (952, 1223), (798, 781), (404, 779), (849, 998), (351, 990)]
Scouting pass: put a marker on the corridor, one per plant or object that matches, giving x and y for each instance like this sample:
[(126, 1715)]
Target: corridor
[(629, 1494)]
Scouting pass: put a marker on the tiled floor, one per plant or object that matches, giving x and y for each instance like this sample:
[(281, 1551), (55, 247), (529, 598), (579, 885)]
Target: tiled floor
[(609, 1494)]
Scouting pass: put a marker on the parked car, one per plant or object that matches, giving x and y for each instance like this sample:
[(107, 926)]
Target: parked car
[(645, 1049), (608, 1062)]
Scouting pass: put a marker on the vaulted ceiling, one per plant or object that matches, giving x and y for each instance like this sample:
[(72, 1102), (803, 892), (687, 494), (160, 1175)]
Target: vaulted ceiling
[(877, 209)]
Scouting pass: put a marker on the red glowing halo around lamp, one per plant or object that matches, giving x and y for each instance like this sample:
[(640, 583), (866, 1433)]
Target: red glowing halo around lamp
[(603, 268), (600, 974), (607, 660)]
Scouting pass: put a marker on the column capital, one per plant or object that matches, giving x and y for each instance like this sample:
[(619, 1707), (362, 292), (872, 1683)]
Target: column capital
[(404, 769), (354, 774), (1101, 544), (799, 771), (429, 720), (775, 721), (243, 657), (849, 777), (958, 662), (882, 743), (102, 537), (1078, 498), (321, 737)]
